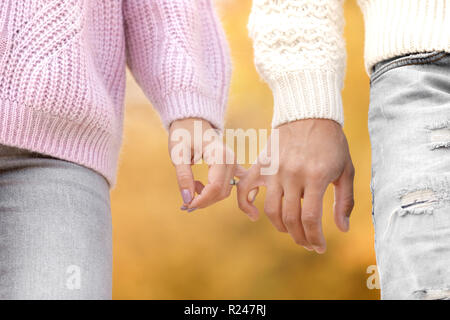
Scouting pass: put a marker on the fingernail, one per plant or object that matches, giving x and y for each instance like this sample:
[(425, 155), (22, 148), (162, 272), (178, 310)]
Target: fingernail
[(183, 208), (191, 209), (319, 250), (186, 196), (308, 248), (252, 195), (347, 223)]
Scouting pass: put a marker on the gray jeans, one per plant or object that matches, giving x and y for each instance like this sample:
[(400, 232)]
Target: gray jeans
[(409, 125), (55, 229)]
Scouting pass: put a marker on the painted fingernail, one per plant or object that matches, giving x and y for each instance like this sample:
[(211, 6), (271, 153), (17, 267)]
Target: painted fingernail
[(191, 209), (183, 208), (186, 196)]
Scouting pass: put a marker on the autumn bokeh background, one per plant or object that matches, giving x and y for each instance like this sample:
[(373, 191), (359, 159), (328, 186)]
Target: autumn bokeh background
[(161, 252)]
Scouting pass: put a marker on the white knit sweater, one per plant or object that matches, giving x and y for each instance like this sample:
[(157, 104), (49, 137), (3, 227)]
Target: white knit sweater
[(300, 50)]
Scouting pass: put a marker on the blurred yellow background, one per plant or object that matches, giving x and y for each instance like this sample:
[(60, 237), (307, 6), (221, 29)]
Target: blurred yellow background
[(161, 252)]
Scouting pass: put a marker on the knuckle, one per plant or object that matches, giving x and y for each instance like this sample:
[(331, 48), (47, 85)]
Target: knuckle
[(310, 220), (216, 188), (290, 220), (317, 171), (184, 180), (293, 169), (270, 211), (184, 174)]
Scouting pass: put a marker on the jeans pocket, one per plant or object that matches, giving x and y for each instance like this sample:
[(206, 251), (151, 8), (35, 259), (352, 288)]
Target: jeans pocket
[(410, 59)]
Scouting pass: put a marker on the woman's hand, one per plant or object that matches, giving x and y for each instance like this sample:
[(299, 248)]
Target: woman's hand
[(192, 140)]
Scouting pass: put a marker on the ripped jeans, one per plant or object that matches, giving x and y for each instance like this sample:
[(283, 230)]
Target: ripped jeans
[(409, 125)]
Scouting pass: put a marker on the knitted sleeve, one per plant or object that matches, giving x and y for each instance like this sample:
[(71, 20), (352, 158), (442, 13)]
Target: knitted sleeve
[(300, 52), (177, 52)]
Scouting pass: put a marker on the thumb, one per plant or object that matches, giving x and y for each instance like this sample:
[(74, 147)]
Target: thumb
[(241, 173), (344, 198), (186, 182), (247, 189)]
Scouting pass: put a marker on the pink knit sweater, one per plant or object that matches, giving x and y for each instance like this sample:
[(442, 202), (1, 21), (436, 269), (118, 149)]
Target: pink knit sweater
[(62, 71)]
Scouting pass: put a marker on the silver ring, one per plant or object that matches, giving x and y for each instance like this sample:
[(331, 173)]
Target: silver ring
[(233, 182)]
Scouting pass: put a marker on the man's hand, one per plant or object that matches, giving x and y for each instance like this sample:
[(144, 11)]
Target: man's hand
[(191, 140), (312, 154)]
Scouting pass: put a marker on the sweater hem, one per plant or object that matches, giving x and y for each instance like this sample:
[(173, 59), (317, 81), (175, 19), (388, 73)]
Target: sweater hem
[(186, 104), (34, 130), (400, 27), (307, 94)]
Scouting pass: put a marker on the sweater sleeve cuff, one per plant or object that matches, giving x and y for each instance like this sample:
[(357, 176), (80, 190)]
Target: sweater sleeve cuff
[(307, 94), (181, 105)]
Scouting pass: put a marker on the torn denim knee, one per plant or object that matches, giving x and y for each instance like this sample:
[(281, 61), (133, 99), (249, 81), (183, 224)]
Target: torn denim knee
[(418, 202), (422, 195)]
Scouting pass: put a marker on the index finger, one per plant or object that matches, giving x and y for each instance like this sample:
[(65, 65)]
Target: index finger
[(219, 176), (248, 182)]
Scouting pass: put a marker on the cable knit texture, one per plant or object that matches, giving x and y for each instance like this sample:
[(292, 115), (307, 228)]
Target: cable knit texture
[(300, 51), (62, 71)]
